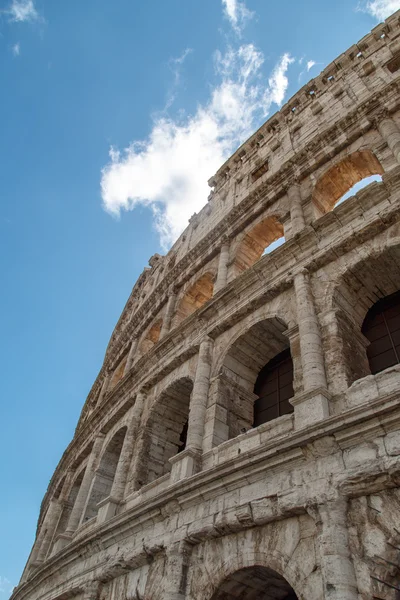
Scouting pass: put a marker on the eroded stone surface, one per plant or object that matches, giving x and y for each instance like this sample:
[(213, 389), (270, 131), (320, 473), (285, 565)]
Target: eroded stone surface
[(167, 491)]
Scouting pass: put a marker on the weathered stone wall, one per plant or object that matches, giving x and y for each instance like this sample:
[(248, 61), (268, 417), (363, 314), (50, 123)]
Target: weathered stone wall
[(303, 506)]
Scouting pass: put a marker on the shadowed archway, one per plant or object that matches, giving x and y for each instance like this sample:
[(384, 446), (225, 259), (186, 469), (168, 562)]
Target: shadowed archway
[(255, 583)]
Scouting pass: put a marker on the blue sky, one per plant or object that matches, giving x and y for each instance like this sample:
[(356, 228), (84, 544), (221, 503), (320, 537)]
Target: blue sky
[(114, 115)]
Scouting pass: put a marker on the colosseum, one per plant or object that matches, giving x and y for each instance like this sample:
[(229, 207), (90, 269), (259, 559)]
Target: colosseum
[(242, 438)]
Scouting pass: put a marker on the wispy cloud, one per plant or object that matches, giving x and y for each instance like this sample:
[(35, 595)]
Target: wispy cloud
[(380, 9), (168, 171), (22, 11), (16, 49), (5, 585), (237, 13), (175, 65), (311, 64)]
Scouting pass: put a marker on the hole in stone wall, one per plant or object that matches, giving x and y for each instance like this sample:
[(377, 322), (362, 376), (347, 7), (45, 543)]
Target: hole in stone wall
[(394, 64), (168, 429), (261, 239), (255, 583), (244, 377), (357, 290), (151, 337), (279, 242), (197, 295), (341, 177), (105, 474), (118, 373), (359, 186)]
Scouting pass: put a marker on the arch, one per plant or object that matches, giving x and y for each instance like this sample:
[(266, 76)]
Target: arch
[(382, 329), (167, 428), (361, 285), (151, 337), (235, 388), (194, 298), (255, 583), (256, 241), (105, 473), (118, 373), (342, 176), (68, 506)]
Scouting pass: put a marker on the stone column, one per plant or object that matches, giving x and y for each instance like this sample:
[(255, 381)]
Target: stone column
[(131, 355), (222, 276), (177, 564), (187, 463), (50, 523), (46, 533), (169, 313), (108, 508), (80, 502), (296, 208), (104, 388), (390, 132), (312, 405), (336, 563), (198, 401), (136, 472)]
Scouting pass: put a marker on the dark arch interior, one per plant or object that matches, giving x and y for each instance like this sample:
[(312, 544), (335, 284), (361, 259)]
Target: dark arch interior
[(382, 328), (255, 583), (274, 387)]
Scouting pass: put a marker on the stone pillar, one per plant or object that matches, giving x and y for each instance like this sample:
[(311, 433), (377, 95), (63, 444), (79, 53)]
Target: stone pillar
[(222, 276), (169, 313), (187, 463), (390, 132), (336, 563), (104, 388), (312, 405), (177, 564), (49, 524), (296, 208), (134, 479), (131, 355), (81, 499), (108, 508), (198, 401)]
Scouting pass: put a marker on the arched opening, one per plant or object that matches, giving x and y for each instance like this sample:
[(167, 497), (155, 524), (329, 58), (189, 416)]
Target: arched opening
[(359, 342), (168, 428), (104, 477), (151, 337), (359, 186), (197, 295), (261, 239), (255, 583), (342, 177), (118, 373), (382, 329), (69, 505), (256, 379)]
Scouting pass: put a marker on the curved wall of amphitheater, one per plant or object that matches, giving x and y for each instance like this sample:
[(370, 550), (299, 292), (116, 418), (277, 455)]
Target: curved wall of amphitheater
[(168, 490)]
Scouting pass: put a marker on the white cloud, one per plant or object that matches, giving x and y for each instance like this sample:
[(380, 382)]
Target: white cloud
[(23, 10), (168, 172), (381, 9), (237, 13), (16, 49), (5, 585), (311, 64)]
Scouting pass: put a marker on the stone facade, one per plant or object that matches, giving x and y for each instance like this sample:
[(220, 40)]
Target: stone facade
[(167, 491)]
